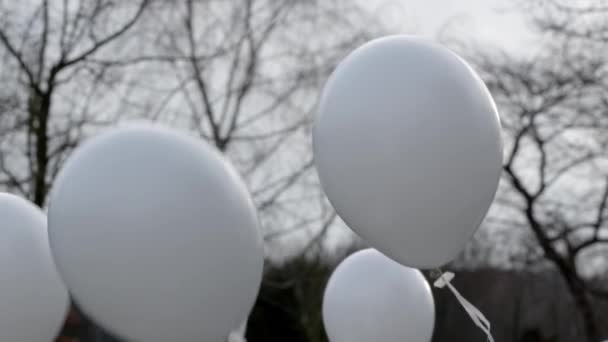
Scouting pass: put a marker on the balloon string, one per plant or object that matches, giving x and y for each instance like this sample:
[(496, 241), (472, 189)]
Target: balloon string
[(444, 279)]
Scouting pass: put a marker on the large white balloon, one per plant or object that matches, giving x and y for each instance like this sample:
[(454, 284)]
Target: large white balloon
[(370, 297), (408, 148), (33, 299), (156, 236)]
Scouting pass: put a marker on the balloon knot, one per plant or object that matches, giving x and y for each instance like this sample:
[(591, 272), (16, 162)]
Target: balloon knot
[(443, 279)]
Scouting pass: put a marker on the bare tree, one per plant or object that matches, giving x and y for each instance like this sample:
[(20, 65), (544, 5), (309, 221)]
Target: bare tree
[(49, 46), (245, 76), (554, 111)]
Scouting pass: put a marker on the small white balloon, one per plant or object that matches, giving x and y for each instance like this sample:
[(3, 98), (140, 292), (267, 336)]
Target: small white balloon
[(33, 301), (370, 297), (156, 236), (408, 148)]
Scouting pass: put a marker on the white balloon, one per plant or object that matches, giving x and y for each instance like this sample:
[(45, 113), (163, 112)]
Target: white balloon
[(156, 236), (370, 297), (33, 299), (408, 148)]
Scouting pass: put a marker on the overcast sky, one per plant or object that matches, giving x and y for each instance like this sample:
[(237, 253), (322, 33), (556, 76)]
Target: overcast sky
[(490, 22)]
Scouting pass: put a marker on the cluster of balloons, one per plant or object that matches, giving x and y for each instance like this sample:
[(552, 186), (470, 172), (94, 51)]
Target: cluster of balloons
[(408, 149), (156, 238), (154, 234)]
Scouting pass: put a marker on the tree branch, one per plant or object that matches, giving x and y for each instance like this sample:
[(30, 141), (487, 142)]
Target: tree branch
[(45, 38), (291, 180), (200, 82), (17, 55), (106, 40)]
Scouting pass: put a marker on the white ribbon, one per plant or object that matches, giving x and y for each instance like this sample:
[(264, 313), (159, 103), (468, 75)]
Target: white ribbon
[(477, 316)]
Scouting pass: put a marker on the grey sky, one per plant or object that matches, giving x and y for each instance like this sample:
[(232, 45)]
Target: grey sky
[(488, 22)]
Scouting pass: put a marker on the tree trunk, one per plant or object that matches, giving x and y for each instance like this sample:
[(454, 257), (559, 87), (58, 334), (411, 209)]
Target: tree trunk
[(585, 308), (567, 269), (40, 131)]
